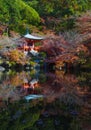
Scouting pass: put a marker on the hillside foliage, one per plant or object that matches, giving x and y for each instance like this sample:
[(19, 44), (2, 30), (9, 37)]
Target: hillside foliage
[(17, 14), (55, 14)]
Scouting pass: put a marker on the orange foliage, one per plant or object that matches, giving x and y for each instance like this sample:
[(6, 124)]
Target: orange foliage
[(17, 56)]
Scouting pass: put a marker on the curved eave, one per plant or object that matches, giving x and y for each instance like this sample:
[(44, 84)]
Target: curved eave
[(29, 36)]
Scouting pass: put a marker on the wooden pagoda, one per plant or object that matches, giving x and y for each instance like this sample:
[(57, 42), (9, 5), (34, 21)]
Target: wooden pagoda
[(30, 42)]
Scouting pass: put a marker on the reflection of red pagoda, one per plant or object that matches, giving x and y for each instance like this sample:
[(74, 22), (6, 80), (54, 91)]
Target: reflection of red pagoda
[(29, 46), (33, 83)]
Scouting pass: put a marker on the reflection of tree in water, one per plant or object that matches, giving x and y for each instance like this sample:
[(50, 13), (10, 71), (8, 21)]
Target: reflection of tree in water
[(64, 107), (37, 115), (66, 87), (15, 85), (76, 99)]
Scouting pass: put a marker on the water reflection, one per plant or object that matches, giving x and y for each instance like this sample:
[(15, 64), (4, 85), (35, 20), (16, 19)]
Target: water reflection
[(15, 85), (66, 106), (69, 88)]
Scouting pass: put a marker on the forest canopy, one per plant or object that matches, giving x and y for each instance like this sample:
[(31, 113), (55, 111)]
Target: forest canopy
[(59, 8), (18, 14)]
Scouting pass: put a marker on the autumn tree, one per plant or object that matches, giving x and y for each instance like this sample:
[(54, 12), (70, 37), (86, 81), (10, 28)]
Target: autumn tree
[(17, 56)]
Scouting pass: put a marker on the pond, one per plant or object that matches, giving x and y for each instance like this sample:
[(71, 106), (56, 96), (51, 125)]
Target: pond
[(37, 99)]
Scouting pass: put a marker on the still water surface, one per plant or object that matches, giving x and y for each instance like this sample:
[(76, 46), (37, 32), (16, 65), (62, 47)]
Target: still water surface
[(35, 100)]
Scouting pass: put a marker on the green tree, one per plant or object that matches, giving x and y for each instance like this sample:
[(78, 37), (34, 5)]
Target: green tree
[(59, 7), (14, 12)]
